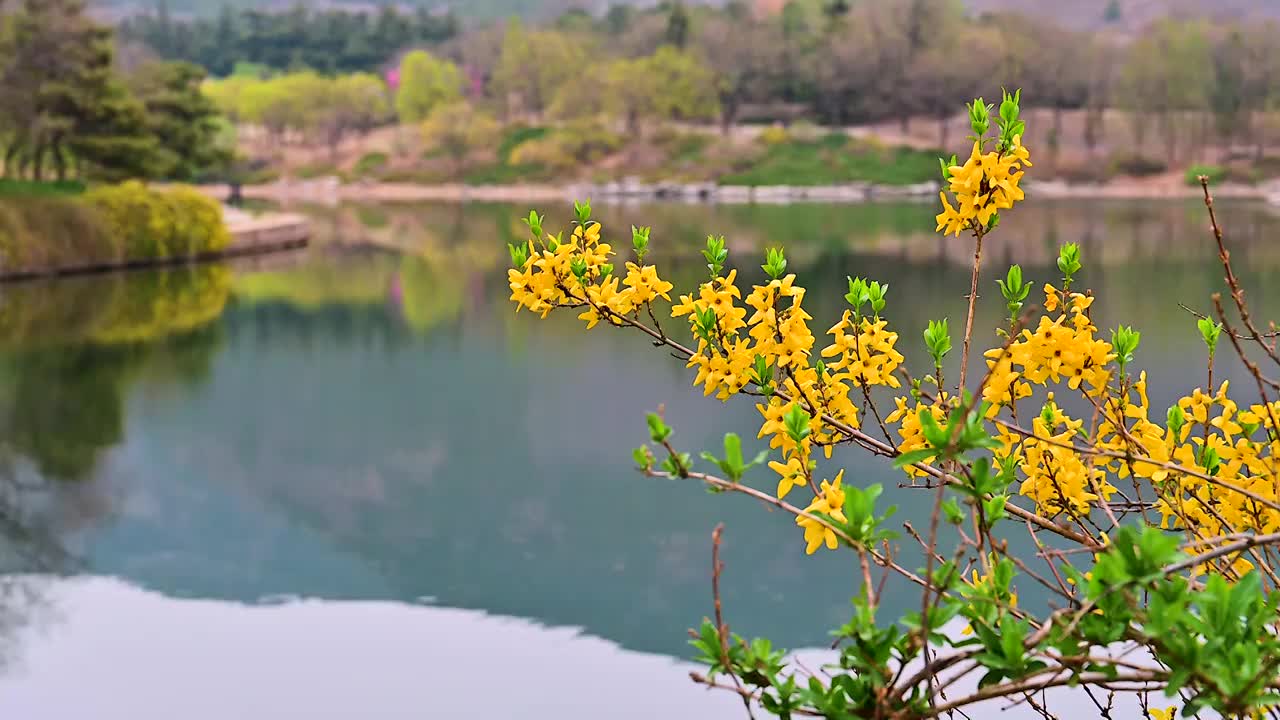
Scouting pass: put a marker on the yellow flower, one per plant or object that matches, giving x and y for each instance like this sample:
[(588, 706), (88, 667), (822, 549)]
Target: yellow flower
[(1051, 298), (949, 220), (830, 502), (985, 184), (645, 284), (606, 296), (911, 431), (791, 474)]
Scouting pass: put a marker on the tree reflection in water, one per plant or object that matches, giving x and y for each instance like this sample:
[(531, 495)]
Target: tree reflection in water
[(72, 351)]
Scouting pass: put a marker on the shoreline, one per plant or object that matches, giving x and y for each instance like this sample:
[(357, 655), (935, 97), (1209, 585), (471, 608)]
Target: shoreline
[(329, 191), (269, 233)]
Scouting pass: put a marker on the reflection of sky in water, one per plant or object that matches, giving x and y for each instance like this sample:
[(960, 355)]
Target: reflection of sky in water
[(321, 442), (212, 660)]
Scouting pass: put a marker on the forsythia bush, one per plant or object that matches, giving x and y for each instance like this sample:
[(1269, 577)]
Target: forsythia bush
[(149, 223), (1174, 514)]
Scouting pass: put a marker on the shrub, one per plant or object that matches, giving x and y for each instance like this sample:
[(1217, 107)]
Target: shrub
[(370, 163), (154, 224), (579, 142), (1157, 526), (49, 231), (774, 135), (1215, 173), (517, 136)]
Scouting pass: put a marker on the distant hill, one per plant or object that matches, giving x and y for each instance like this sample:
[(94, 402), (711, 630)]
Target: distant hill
[(1080, 14)]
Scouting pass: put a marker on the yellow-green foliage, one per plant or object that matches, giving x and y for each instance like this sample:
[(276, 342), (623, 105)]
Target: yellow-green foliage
[(149, 223), (774, 135), (362, 281), (115, 308), (576, 143), (110, 224), (42, 232)]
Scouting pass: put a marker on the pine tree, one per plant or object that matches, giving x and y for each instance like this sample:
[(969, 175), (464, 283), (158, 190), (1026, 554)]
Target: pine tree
[(677, 33)]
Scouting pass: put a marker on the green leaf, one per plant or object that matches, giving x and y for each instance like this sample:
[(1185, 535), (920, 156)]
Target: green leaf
[(951, 508), (643, 458), (658, 429), (775, 263), (796, 422), (937, 338), (1209, 332), (519, 255), (913, 456)]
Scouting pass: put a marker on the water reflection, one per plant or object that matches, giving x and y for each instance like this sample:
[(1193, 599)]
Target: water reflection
[(323, 659), (328, 660), (372, 423)]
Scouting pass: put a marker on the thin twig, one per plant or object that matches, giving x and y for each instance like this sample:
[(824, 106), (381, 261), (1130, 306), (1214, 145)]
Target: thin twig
[(1237, 293), (722, 630)]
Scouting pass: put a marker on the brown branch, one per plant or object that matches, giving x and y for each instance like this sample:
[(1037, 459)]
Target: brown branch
[(973, 299), (746, 695), (1237, 292), (722, 484), (1202, 316), (1173, 467), (722, 630), (1152, 679), (857, 436)]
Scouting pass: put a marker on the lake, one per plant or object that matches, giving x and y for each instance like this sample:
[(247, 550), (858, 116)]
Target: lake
[(352, 482)]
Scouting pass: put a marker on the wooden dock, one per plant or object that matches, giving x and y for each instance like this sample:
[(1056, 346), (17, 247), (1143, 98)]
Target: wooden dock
[(250, 235)]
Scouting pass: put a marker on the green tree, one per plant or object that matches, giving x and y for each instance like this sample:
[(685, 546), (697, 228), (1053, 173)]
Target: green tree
[(62, 99), (858, 66), (617, 19), (533, 66), (741, 53), (425, 83), (458, 128), (354, 103), (331, 40), (1158, 91), (185, 122), (687, 86), (678, 25), (669, 85), (226, 93), (939, 84)]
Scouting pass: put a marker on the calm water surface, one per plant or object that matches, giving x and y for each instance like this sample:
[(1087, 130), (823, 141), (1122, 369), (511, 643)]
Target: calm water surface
[(352, 483)]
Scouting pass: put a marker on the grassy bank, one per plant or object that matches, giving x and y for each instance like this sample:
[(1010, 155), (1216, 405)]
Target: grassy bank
[(10, 187), (44, 229), (834, 159), (592, 152)]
